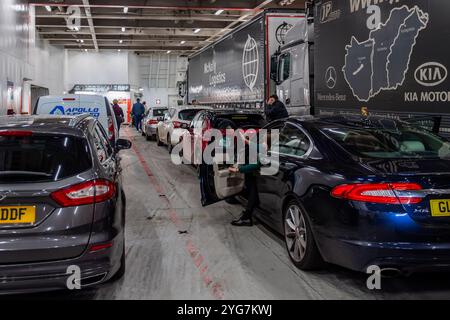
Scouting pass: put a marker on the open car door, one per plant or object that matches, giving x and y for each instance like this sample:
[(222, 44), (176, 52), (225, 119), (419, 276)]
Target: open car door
[(217, 183)]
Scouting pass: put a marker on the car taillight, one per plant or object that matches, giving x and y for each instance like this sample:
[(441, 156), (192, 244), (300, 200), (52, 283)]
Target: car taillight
[(150, 122), (384, 193), (89, 192), (111, 133), (177, 124), (9, 133)]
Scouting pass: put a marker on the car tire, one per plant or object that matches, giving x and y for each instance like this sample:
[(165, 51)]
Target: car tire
[(158, 141), (299, 238), (169, 144), (147, 137)]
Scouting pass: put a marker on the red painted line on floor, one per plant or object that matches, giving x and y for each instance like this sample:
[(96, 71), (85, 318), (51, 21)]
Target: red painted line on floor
[(194, 252)]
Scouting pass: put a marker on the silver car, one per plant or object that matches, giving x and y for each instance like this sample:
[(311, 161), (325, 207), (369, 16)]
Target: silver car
[(62, 206), (150, 121)]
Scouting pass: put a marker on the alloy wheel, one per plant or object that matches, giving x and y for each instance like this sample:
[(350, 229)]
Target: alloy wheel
[(295, 233)]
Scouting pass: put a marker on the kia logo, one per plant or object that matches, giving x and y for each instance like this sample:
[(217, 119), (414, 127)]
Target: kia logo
[(431, 74)]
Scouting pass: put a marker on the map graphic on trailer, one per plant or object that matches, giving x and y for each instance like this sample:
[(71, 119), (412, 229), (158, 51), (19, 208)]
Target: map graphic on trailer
[(382, 61)]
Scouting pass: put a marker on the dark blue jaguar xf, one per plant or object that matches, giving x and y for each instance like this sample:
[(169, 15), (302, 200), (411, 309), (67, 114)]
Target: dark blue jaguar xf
[(354, 192)]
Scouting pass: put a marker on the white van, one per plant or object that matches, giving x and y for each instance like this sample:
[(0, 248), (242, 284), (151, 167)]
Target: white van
[(75, 104)]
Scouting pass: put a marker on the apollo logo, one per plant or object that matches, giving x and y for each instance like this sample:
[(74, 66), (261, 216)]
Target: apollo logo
[(431, 74)]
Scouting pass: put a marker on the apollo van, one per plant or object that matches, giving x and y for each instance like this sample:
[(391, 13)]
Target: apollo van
[(70, 105)]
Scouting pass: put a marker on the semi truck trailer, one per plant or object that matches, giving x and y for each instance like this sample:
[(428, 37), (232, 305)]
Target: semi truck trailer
[(234, 72)]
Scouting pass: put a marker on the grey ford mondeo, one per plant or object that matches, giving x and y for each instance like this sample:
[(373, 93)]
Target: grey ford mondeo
[(62, 207)]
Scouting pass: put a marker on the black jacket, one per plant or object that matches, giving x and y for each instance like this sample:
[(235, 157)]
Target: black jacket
[(276, 111)]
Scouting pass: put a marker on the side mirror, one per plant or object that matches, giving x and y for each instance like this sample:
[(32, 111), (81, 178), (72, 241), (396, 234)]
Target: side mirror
[(123, 144)]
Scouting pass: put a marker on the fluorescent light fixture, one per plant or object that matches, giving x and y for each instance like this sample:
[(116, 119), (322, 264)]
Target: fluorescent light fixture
[(125, 9), (119, 50), (169, 51), (123, 29), (197, 30), (82, 41), (183, 42), (48, 8), (85, 50), (141, 89), (219, 12), (120, 41)]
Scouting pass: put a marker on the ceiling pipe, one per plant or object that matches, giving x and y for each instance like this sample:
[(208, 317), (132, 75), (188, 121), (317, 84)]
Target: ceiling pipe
[(149, 7), (228, 28), (87, 10)]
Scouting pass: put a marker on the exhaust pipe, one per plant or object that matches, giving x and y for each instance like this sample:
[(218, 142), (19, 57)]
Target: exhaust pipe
[(93, 280), (391, 272)]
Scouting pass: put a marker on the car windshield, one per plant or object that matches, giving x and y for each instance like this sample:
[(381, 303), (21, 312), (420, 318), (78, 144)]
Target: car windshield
[(42, 158), (159, 112), (380, 143), (188, 115)]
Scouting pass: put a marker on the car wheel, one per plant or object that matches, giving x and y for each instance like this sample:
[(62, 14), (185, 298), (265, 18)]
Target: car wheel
[(147, 137), (300, 243), (169, 144), (158, 141)]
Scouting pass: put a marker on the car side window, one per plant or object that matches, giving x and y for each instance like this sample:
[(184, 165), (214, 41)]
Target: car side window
[(293, 141), (102, 145)]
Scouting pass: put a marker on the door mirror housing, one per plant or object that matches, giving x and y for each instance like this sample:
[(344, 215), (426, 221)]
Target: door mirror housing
[(123, 144)]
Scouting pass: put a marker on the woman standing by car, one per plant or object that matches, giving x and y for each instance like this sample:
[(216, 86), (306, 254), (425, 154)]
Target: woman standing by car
[(118, 112)]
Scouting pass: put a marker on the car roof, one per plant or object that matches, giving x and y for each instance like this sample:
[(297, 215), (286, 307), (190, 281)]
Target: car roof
[(82, 97), (191, 107), (346, 121), (237, 111), (70, 125)]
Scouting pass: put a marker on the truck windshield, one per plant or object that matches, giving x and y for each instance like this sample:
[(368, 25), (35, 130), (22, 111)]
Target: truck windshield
[(380, 143), (41, 158)]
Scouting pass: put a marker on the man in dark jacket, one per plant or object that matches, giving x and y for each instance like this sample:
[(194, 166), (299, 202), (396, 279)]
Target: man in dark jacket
[(138, 111), (275, 109)]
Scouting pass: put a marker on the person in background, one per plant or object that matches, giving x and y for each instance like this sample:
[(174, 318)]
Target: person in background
[(275, 109), (138, 111), (194, 102), (145, 105), (118, 112)]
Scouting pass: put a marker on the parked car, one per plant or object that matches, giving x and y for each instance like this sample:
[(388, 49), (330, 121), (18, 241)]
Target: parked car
[(353, 192), (219, 119), (62, 203), (168, 131), (74, 104), (150, 121)]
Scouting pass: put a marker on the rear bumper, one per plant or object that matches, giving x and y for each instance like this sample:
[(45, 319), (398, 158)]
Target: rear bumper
[(95, 268), (407, 257)]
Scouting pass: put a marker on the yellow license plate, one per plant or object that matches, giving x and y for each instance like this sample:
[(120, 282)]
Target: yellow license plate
[(18, 215), (440, 208)]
